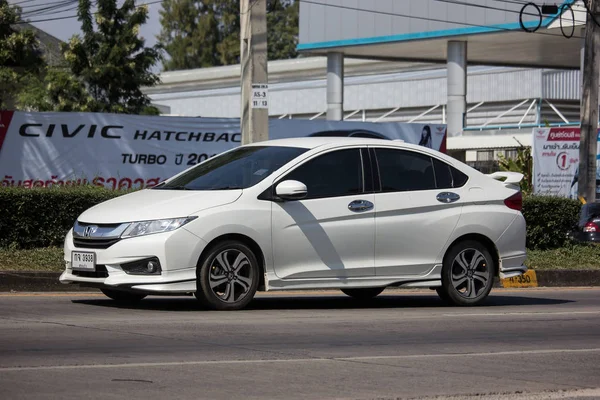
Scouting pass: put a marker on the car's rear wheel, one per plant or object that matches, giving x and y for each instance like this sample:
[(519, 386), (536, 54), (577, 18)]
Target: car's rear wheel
[(228, 276), (468, 274), (363, 293), (123, 297)]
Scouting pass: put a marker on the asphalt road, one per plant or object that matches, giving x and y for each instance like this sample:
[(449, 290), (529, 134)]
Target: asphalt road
[(522, 344)]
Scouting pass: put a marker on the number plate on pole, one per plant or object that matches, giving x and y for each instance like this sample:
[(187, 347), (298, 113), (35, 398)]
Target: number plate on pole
[(260, 95)]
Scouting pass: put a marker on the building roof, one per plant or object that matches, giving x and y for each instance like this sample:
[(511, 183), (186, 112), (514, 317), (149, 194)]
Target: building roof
[(420, 30), (48, 44)]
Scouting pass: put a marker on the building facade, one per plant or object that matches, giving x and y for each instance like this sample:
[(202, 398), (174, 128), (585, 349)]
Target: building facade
[(504, 104)]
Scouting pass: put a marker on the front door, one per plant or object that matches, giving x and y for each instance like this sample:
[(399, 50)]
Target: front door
[(330, 233)]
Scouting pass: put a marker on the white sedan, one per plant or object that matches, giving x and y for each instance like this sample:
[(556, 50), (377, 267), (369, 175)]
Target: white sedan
[(354, 214)]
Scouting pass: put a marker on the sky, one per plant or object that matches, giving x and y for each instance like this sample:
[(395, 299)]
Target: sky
[(63, 29)]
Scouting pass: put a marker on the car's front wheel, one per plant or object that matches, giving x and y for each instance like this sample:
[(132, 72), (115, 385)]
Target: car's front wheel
[(363, 293), (228, 276), (467, 275), (123, 297)]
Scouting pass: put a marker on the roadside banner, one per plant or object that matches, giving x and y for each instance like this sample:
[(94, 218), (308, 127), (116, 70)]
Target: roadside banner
[(556, 161), (128, 151)]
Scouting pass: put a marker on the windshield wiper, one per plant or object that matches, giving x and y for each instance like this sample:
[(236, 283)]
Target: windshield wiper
[(178, 187), (226, 188)]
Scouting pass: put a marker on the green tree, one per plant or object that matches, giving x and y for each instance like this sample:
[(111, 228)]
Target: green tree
[(20, 58), (203, 33), (229, 32), (56, 90), (282, 29), (189, 34), (105, 67), (111, 59), (522, 163)]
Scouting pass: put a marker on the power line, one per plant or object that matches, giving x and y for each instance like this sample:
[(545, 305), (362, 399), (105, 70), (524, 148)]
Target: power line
[(76, 16), (53, 9), (423, 18), (45, 4), (590, 13), (521, 12), (22, 2)]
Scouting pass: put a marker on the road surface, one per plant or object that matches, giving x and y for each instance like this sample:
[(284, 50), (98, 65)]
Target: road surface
[(404, 344)]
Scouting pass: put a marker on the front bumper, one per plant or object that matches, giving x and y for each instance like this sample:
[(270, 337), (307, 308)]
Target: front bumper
[(178, 252)]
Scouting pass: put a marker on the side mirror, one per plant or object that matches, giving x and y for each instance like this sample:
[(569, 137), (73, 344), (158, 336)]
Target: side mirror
[(291, 190)]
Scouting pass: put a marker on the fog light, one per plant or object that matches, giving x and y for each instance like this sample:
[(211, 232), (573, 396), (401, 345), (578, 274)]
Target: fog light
[(149, 266)]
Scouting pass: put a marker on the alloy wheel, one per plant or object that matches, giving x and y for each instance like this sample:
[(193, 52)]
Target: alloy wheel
[(470, 273), (230, 276)]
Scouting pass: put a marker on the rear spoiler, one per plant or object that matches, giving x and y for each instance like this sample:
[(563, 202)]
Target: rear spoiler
[(508, 178)]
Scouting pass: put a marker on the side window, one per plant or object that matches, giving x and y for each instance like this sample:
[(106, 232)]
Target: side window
[(443, 174), (334, 174), (447, 177), (458, 177), (401, 170)]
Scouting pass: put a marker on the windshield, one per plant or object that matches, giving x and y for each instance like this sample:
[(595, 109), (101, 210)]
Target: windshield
[(237, 169)]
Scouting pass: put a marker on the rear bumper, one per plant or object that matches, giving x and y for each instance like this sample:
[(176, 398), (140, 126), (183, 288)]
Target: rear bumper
[(512, 266), (588, 237), (512, 250)]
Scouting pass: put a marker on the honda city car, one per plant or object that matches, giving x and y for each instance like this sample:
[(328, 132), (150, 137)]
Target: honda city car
[(354, 214)]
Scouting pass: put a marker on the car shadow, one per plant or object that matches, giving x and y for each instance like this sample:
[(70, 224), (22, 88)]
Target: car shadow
[(341, 302)]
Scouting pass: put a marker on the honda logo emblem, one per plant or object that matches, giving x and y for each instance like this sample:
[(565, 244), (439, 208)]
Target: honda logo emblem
[(90, 230)]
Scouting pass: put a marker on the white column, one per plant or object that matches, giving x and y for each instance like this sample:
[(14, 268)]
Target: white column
[(335, 86), (457, 87)]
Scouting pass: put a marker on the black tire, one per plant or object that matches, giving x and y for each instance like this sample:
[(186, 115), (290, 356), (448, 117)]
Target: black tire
[(468, 286), (443, 295), (122, 296), (210, 271), (363, 293)]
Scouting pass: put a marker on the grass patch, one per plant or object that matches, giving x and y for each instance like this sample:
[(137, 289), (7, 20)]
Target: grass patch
[(570, 257), (582, 257), (41, 259)]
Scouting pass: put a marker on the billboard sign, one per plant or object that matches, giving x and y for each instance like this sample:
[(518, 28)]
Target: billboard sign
[(128, 151)]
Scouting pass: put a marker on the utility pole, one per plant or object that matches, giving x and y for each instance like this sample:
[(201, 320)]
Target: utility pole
[(589, 105), (254, 78)]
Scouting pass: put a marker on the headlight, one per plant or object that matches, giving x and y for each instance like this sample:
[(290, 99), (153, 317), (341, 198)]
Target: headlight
[(157, 226)]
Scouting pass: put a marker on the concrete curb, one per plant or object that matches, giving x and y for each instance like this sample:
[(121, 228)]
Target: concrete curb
[(16, 281)]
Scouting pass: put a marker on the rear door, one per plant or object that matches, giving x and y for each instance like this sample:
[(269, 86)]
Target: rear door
[(418, 204)]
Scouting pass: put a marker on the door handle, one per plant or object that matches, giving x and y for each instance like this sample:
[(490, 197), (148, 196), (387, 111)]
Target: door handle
[(447, 197), (360, 205)]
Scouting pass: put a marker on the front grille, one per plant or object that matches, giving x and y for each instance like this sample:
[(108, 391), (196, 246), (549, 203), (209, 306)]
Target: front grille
[(95, 243), (97, 236), (100, 272)]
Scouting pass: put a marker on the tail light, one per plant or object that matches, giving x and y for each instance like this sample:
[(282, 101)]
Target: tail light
[(515, 201), (591, 227)]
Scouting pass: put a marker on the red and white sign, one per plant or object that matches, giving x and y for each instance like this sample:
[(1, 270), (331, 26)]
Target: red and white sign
[(128, 151), (556, 161)]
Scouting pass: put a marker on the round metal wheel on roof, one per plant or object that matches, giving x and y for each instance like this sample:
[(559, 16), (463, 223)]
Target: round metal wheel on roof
[(522, 12), (562, 29)]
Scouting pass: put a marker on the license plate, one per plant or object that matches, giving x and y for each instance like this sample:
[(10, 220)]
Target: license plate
[(82, 261)]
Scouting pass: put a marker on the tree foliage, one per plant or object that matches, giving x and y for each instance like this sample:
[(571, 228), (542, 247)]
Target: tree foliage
[(282, 29), (206, 33), (105, 67), (20, 57), (522, 163)]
